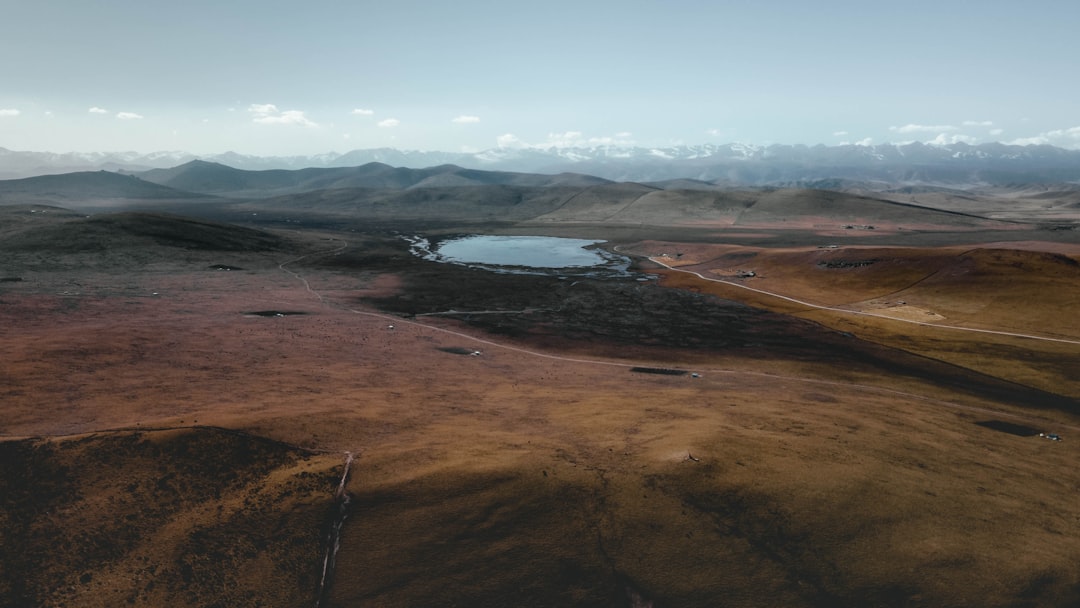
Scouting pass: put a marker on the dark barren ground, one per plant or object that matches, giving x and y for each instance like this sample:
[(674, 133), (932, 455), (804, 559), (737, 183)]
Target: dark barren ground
[(166, 446)]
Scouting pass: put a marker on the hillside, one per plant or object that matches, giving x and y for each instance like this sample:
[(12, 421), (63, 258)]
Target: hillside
[(161, 517), (837, 208), (87, 186), (130, 230), (496, 203), (628, 204), (218, 179)]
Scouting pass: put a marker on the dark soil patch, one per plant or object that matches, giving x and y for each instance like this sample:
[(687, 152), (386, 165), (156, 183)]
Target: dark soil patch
[(10, 279), (458, 350), (1009, 427), (275, 313), (665, 371), (847, 263), (590, 312)]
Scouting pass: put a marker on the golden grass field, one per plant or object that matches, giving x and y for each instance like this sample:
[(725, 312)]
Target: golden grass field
[(165, 447)]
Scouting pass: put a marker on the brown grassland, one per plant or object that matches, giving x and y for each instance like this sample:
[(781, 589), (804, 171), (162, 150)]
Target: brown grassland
[(164, 446)]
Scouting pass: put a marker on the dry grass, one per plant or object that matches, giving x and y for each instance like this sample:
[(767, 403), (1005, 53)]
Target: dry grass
[(161, 518), (995, 288), (517, 479)]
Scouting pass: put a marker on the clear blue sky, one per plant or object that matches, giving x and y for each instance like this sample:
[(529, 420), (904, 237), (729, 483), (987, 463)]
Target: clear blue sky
[(274, 77)]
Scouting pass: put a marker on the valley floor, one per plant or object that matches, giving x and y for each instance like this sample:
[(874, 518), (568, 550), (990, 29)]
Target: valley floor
[(807, 456)]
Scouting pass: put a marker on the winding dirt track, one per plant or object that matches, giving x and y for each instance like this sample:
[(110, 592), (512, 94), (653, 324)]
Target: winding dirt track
[(861, 313)]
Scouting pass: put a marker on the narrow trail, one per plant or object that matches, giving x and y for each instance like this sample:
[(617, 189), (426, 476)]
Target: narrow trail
[(454, 313), (341, 496), (300, 277), (861, 313), (333, 532), (393, 320)]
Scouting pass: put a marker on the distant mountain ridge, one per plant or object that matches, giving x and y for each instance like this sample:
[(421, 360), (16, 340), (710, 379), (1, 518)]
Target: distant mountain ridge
[(218, 179), (450, 193), (886, 165)]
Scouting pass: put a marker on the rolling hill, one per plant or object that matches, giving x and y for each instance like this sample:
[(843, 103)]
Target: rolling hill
[(131, 230), (87, 186), (628, 204), (452, 193), (218, 179)]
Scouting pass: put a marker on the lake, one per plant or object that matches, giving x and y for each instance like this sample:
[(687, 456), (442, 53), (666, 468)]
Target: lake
[(525, 254)]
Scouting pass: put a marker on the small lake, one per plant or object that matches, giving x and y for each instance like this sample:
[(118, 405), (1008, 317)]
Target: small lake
[(525, 254)]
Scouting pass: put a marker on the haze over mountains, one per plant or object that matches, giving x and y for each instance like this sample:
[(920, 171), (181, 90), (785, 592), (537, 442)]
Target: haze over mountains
[(957, 165)]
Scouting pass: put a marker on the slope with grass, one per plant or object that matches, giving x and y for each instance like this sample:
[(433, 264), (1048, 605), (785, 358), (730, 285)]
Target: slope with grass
[(194, 516)]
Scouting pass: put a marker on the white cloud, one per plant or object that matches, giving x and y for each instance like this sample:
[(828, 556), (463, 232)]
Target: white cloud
[(509, 140), (569, 139), (1038, 140), (1063, 138), (714, 132), (465, 120), (289, 117), (269, 114), (620, 139), (839, 133), (945, 140), (9, 112), (262, 109), (362, 112), (978, 123), (913, 128), (388, 123), (97, 110), (865, 142), (577, 139), (996, 132), (128, 116)]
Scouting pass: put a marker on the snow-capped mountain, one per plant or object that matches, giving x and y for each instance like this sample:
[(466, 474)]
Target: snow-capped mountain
[(956, 164)]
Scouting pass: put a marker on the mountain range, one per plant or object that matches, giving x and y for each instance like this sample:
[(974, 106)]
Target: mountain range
[(377, 191), (877, 167)]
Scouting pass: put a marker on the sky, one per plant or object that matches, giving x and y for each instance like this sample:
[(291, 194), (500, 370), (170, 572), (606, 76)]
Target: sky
[(276, 78)]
